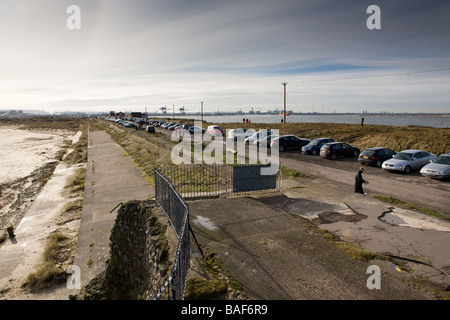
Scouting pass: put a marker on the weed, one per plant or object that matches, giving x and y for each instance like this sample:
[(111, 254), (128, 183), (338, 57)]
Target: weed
[(410, 206), (202, 289), (291, 173), (58, 252), (76, 182)]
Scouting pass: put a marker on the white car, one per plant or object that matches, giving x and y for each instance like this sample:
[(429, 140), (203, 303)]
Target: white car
[(408, 160), (215, 130), (239, 134), (438, 168), (258, 135)]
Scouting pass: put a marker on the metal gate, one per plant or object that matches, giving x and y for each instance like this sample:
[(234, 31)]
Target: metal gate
[(205, 180), (249, 178)]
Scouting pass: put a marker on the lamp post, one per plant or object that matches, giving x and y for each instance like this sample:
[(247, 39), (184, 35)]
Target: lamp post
[(202, 112), (284, 113)]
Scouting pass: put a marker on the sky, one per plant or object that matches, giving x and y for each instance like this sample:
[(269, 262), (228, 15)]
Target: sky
[(232, 55)]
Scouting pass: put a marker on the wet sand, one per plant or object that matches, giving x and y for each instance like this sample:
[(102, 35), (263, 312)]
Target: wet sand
[(23, 151), (28, 202), (26, 157)]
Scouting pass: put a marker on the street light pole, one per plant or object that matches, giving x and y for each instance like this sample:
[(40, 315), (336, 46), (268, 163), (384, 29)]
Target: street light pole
[(284, 113), (202, 112)]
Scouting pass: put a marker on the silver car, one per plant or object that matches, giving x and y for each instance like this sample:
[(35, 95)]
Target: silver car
[(408, 160), (438, 168)]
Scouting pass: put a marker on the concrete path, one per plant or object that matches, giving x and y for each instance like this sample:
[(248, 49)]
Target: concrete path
[(111, 178)]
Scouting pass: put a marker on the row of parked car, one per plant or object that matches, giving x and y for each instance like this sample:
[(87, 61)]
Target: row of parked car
[(405, 161), (125, 122), (430, 165)]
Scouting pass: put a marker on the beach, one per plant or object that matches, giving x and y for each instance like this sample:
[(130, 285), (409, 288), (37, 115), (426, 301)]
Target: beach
[(28, 156)]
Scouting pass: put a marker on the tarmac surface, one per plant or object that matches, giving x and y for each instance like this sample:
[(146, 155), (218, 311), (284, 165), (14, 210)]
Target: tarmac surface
[(270, 252)]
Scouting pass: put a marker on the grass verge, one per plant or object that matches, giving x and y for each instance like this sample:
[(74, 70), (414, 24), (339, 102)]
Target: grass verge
[(410, 206), (351, 249), (222, 286), (291, 173)]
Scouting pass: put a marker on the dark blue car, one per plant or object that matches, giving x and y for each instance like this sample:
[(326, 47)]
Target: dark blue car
[(314, 146)]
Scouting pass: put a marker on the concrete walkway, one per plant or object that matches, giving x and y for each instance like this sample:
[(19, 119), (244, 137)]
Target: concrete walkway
[(274, 256), (111, 178)]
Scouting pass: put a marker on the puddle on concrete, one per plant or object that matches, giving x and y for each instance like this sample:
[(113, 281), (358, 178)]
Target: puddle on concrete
[(407, 218), (392, 219), (206, 223), (311, 209), (332, 217)]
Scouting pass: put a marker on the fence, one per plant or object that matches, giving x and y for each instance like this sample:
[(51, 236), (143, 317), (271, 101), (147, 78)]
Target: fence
[(177, 211), (199, 181), (208, 180)]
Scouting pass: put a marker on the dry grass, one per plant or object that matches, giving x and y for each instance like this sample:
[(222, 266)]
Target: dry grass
[(79, 153), (435, 140), (76, 182), (48, 123), (71, 211), (146, 151), (58, 254)]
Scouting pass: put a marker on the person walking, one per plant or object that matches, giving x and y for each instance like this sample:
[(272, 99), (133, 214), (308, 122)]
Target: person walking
[(359, 181)]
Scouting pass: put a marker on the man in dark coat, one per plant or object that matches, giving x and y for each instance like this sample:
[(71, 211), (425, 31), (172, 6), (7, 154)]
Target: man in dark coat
[(359, 181)]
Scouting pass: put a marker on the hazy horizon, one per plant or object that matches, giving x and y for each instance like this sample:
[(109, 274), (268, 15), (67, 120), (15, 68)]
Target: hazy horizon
[(230, 55)]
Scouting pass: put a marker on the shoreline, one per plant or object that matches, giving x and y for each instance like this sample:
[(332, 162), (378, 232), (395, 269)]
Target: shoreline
[(29, 163)]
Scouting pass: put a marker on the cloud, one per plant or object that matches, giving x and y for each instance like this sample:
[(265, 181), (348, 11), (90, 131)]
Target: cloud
[(232, 54)]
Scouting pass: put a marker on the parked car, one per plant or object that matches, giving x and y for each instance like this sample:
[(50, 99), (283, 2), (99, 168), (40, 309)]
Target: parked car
[(186, 126), (264, 140), (288, 142), (129, 124), (173, 126), (408, 160), (258, 135), (438, 168), (150, 129), (314, 146), (196, 130), (215, 130), (333, 150), (375, 156), (239, 134)]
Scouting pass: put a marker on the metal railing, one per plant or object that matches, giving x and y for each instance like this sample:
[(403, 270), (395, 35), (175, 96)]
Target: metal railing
[(173, 184), (177, 210), (210, 180)]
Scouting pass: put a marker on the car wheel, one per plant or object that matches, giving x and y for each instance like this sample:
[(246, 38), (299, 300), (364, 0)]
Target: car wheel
[(281, 148), (407, 169), (333, 156), (355, 153), (378, 164), (314, 152)]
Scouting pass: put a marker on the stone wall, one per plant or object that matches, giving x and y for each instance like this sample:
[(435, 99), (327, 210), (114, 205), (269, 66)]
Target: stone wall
[(139, 256)]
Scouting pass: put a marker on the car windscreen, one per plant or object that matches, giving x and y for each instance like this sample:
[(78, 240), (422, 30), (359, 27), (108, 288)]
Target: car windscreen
[(442, 160), (314, 143), (368, 152), (403, 156)]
